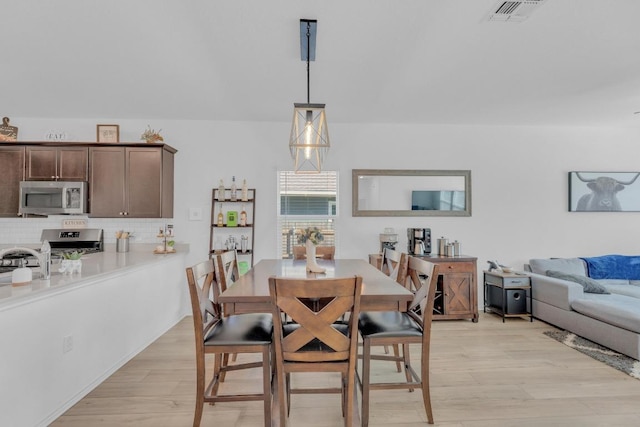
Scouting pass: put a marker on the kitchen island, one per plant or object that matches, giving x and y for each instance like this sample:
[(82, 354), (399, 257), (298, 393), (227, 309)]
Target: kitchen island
[(64, 336)]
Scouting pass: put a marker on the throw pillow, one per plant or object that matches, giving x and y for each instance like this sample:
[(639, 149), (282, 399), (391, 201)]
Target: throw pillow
[(590, 286)]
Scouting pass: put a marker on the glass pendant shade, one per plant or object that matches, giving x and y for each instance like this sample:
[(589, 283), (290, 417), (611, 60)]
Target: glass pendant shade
[(309, 140)]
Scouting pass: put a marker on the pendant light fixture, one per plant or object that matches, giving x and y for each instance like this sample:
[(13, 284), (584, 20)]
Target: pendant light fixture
[(309, 139)]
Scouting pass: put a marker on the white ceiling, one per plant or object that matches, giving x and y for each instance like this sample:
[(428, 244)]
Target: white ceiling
[(573, 62)]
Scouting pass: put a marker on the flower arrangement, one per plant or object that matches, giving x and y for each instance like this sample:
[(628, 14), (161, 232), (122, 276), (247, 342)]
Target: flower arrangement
[(75, 255), (310, 233), (151, 135)]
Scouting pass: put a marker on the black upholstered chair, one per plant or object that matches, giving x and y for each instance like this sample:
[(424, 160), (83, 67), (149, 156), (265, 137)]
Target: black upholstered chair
[(220, 335), (397, 328)]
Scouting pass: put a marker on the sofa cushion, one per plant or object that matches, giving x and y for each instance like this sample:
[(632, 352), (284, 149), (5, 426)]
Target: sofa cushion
[(628, 290), (591, 286), (566, 265), (617, 310)]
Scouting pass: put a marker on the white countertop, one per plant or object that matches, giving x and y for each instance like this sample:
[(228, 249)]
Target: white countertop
[(95, 267)]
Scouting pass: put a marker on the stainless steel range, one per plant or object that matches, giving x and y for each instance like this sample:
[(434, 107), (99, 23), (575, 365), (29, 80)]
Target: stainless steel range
[(87, 240)]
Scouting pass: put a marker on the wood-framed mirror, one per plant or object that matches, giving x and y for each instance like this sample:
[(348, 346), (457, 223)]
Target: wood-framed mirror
[(406, 192)]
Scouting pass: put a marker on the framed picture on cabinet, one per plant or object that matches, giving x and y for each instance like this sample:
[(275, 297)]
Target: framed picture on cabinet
[(108, 133)]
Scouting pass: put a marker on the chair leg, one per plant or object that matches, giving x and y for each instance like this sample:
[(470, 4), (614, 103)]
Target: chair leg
[(407, 363), (200, 381), (224, 363), (396, 353), (426, 394), (217, 374), (288, 382), (366, 372), (282, 396), (349, 395), (266, 384)]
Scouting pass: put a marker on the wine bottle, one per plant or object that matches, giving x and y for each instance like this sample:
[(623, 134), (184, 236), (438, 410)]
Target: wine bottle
[(243, 217), (245, 192), (234, 191), (221, 191), (220, 217)]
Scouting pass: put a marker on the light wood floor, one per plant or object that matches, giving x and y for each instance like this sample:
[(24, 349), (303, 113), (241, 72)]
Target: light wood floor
[(482, 374)]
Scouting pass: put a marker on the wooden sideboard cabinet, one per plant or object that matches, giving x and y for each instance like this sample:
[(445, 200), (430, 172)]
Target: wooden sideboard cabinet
[(12, 167), (45, 163), (134, 181), (457, 288)]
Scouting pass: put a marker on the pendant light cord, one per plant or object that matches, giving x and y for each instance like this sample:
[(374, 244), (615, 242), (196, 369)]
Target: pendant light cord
[(308, 54)]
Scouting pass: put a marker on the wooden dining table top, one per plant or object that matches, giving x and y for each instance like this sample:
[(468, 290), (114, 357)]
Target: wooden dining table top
[(250, 293)]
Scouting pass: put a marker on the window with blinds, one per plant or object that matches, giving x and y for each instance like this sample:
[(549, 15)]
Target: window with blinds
[(306, 200)]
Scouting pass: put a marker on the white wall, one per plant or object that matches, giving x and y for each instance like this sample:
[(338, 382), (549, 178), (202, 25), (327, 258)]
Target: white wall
[(519, 180)]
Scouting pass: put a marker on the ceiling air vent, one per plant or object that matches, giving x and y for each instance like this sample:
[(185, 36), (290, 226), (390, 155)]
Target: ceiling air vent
[(514, 11)]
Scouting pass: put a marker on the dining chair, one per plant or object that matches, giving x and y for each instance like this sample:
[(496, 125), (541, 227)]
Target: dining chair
[(227, 273), (322, 252), (316, 342), (395, 327), (394, 265), (219, 335)]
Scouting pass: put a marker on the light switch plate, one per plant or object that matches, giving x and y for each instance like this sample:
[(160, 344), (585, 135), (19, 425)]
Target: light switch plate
[(195, 214)]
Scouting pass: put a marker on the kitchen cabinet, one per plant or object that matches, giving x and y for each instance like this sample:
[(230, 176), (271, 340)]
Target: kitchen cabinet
[(12, 167), (228, 235), (45, 163), (133, 181)]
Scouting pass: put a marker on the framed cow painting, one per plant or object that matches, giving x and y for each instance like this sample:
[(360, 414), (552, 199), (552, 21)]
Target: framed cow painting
[(604, 192)]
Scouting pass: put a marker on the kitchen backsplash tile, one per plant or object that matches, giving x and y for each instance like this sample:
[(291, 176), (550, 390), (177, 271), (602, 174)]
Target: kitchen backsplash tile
[(28, 230)]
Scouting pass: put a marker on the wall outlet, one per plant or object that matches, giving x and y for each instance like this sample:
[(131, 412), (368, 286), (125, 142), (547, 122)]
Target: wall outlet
[(195, 214), (67, 344)]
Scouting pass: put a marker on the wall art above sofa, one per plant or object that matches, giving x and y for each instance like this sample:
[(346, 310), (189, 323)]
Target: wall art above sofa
[(604, 192)]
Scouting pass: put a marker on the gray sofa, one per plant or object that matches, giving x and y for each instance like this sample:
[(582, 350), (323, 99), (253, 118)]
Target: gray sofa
[(611, 319)]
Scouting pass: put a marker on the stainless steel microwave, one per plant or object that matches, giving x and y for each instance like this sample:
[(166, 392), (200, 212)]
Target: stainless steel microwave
[(53, 197)]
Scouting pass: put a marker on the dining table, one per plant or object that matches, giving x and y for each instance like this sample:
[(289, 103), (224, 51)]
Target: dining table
[(250, 293)]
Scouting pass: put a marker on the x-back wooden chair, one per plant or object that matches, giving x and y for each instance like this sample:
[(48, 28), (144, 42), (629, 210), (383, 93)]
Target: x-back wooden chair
[(394, 265), (394, 327), (316, 342), (220, 335), (322, 252)]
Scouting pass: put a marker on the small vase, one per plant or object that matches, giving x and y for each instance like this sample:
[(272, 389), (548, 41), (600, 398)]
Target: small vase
[(312, 265)]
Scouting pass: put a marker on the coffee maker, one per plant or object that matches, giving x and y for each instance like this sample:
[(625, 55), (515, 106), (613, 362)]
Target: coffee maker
[(388, 239), (419, 241)]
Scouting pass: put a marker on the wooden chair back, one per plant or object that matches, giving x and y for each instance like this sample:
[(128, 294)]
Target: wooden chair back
[(322, 252), (317, 337), (204, 292), (423, 276), (394, 265), (227, 269)]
